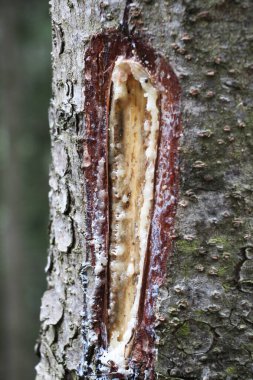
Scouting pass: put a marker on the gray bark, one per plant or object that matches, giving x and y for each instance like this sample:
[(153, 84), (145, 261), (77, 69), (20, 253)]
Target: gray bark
[(206, 303)]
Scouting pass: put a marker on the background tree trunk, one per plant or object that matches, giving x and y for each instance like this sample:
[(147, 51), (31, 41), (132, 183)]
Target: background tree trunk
[(12, 237), (206, 303), (24, 93)]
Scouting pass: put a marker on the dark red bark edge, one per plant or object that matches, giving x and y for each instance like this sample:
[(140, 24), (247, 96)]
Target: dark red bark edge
[(103, 51)]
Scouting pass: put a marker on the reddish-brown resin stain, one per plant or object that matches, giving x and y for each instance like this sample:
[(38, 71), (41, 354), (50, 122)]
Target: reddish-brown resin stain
[(100, 57)]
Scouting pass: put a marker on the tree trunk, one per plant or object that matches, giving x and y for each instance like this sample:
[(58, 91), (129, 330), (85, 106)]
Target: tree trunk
[(12, 245), (204, 308)]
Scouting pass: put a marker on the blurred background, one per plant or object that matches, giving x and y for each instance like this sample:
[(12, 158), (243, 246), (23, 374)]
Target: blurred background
[(25, 40)]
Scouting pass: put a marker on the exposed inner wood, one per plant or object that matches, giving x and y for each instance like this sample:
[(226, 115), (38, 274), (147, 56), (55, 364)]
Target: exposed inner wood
[(133, 135), (127, 171)]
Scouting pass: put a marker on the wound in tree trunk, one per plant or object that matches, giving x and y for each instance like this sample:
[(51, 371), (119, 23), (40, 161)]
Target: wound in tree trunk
[(131, 175), (133, 136)]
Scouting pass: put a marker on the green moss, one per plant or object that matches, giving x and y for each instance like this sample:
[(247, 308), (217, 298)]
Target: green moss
[(222, 271), (199, 313), (226, 286), (186, 246), (220, 240), (230, 370), (184, 330)]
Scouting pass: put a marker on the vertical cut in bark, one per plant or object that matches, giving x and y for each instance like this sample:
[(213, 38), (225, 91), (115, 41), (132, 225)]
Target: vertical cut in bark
[(133, 136), (132, 126)]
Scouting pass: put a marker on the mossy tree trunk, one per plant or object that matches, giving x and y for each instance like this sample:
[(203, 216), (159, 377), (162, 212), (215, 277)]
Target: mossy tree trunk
[(206, 303)]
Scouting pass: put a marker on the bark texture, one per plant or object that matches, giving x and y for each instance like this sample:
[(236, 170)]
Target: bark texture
[(205, 308)]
